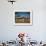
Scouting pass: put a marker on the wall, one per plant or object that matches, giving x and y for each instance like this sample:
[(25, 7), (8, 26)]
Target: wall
[(9, 31)]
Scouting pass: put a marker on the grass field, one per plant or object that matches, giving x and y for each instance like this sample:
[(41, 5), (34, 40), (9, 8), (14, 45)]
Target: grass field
[(22, 20)]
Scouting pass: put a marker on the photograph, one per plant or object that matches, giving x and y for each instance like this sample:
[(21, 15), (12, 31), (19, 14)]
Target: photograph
[(23, 18)]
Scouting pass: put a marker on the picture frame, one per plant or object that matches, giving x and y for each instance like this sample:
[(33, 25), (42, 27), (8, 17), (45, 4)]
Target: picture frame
[(23, 17)]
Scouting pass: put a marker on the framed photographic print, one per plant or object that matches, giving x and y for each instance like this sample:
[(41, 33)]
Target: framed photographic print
[(23, 18)]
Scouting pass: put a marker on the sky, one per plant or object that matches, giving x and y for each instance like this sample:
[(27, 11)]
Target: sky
[(22, 13)]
